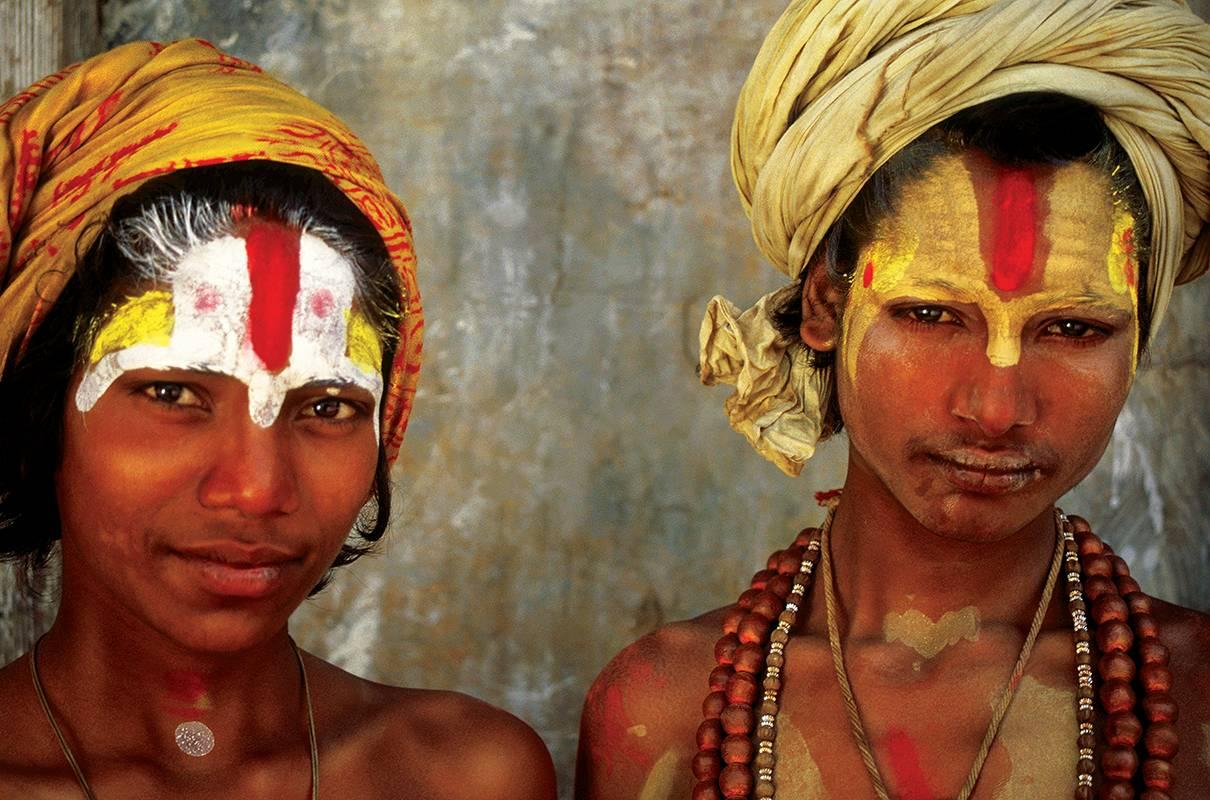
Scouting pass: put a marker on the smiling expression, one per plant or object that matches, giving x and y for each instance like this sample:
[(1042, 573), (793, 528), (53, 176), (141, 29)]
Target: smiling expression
[(989, 339)]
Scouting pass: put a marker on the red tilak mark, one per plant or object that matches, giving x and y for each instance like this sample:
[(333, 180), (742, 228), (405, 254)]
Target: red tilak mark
[(905, 766), (273, 270), (1016, 202), (867, 277), (1128, 247)]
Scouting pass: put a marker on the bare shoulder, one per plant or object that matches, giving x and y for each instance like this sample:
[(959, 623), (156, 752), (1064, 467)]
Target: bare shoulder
[(638, 729), (430, 743), (1187, 635)]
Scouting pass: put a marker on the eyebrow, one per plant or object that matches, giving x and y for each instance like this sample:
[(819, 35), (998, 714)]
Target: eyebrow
[(936, 284)]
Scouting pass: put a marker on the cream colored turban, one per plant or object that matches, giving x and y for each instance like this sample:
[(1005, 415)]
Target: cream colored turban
[(840, 86)]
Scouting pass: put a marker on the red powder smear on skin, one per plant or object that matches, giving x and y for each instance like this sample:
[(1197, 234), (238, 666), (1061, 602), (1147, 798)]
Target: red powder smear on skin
[(867, 277), (273, 270), (905, 766), (1128, 246), (1016, 204)]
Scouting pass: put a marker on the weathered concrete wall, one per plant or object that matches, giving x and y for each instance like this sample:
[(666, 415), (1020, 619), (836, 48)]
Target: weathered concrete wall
[(566, 484)]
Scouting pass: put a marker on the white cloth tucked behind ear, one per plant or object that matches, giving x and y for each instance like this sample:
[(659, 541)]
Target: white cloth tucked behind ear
[(776, 404), (840, 86)]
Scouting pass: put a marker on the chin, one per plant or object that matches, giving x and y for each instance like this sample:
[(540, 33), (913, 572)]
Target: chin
[(974, 518)]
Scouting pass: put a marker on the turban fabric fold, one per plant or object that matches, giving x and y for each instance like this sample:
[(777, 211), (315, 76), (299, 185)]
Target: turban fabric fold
[(840, 86), (73, 143)]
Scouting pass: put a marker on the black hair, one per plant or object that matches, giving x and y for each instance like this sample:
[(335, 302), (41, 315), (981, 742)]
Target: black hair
[(34, 386), (1025, 129)]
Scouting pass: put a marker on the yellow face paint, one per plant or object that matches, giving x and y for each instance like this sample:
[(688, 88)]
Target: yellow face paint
[(1012, 248), (364, 349), (662, 778), (146, 319), (1039, 764), (928, 638)]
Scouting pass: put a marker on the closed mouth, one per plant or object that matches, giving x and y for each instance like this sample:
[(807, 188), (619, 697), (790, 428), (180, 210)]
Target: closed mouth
[(989, 473)]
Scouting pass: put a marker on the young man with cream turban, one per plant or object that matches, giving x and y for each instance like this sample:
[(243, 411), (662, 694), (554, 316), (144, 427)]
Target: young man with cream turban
[(209, 343), (985, 206)]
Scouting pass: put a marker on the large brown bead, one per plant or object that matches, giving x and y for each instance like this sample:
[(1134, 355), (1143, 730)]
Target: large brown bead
[(1159, 708), (742, 689), (709, 735), (737, 750), (771, 563), (1153, 651), (719, 677), (1096, 587), (735, 781), (1119, 763), (1161, 740), (789, 561), (1156, 678), (805, 536), (748, 658), (713, 705), (1097, 566), (1157, 774), (1154, 794), (749, 596), (753, 628), (1112, 637), (1120, 568), (761, 579), (1139, 603), (1145, 627), (1110, 608), (724, 649), (707, 764), (737, 719), (732, 618), (1116, 790), (1129, 585), (1116, 696), (1116, 667), (1123, 729), (780, 585), (767, 604), (707, 790)]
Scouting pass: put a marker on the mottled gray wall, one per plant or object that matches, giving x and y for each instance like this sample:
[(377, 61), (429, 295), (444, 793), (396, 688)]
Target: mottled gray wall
[(566, 484)]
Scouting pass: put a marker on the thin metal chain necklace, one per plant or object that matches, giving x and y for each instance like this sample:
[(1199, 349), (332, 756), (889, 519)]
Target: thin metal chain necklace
[(194, 738)]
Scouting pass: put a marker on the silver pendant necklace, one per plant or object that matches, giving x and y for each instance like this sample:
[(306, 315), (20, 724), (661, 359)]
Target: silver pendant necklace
[(194, 738)]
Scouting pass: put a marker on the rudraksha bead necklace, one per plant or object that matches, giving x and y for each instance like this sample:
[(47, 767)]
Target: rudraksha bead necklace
[(736, 754)]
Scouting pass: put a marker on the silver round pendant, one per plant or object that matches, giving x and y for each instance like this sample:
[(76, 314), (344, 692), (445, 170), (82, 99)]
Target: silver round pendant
[(194, 738)]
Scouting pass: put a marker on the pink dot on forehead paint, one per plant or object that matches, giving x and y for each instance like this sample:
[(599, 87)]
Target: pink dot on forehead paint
[(273, 271), (322, 303), (1015, 200)]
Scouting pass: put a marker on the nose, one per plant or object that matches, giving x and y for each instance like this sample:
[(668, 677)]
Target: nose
[(252, 472), (995, 399)]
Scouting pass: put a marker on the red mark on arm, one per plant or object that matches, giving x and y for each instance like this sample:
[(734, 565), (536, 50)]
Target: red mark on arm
[(905, 766), (273, 270), (1015, 201)]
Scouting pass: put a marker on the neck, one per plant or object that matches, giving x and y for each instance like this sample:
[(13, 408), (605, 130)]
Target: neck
[(118, 688), (887, 564)]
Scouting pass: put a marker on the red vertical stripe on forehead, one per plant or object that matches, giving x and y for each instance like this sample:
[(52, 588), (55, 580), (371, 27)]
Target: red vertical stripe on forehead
[(273, 271), (1015, 228)]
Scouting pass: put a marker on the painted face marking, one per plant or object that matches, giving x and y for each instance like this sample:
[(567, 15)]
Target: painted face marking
[(662, 778), (1015, 228), (273, 273), (805, 780), (1037, 763), (274, 310), (928, 638), (187, 694), (1039, 246), (905, 766)]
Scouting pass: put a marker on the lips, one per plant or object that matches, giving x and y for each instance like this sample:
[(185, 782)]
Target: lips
[(236, 569), (987, 472)]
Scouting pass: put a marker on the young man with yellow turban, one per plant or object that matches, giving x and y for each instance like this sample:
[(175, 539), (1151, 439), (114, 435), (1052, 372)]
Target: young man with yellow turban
[(209, 343), (985, 206)]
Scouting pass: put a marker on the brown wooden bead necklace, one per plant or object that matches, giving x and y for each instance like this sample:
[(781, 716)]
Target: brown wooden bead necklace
[(736, 757)]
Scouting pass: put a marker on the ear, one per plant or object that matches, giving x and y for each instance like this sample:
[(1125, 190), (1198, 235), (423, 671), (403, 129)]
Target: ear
[(821, 306)]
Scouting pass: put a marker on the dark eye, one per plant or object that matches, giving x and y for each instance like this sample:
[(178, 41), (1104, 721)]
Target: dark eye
[(1073, 329), (930, 315), (172, 394), (332, 408)]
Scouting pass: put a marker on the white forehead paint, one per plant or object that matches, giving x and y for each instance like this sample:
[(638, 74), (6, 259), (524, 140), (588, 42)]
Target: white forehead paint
[(211, 299)]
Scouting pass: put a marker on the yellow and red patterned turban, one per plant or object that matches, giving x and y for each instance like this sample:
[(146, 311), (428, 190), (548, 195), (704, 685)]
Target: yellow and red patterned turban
[(840, 86), (75, 142)]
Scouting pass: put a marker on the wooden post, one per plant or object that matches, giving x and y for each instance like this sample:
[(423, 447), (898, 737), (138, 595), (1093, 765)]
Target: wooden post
[(37, 37)]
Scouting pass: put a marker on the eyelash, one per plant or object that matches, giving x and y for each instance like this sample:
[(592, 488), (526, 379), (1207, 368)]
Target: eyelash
[(151, 391), (1098, 332)]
